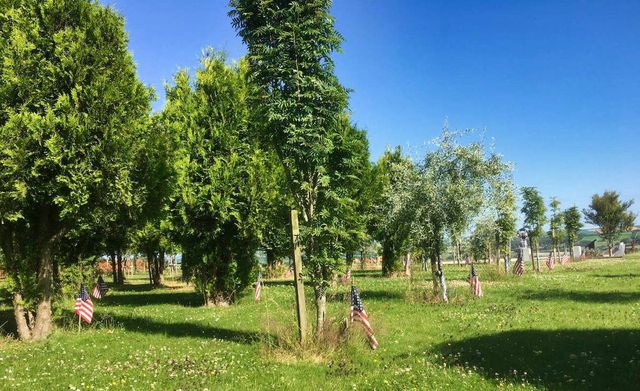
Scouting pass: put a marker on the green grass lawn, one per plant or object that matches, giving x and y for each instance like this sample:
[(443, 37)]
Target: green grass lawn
[(577, 327)]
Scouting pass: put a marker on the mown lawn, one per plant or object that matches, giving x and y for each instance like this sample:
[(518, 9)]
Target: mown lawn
[(577, 327)]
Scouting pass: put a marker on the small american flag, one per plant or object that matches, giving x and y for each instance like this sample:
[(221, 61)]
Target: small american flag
[(100, 289), (550, 262), (84, 305), (258, 288), (358, 314), (565, 258), (518, 269), (474, 281)]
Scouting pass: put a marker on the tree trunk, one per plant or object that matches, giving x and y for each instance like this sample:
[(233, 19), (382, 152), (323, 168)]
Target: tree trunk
[(533, 261), (321, 308), (42, 326), (407, 265), (114, 270), (434, 274), (349, 260), (537, 256), (271, 259), (443, 282), (120, 275), (150, 263), (22, 324), (498, 258)]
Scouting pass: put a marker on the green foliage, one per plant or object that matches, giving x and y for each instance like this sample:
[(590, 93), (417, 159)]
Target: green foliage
[(572, 225), (534, 211), (556, 231), (71, 107), (222, 177), (611, 214), (389, 222), (504, 202), (301, 105)]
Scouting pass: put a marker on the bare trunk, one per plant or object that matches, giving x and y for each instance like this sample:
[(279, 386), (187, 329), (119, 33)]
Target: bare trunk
[(498, 258), (120, 275), (150, 262), (434, 274), (443, 282), (22, 321), (42, 326), (321, 309), (114, 270), (407, 265)]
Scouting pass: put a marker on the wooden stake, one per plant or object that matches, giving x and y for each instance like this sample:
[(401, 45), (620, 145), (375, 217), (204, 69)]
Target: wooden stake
[(301, 311)]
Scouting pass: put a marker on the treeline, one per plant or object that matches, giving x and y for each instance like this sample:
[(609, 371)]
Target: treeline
[(86, 169)]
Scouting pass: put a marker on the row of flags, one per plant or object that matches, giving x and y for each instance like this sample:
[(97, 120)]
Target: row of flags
[(84, 306)]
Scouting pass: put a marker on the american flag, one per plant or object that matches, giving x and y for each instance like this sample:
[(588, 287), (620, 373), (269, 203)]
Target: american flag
[(565, 258), (519, 267), (476, 288), (358, 314), (84, 305), (550, 261), (258, 288), (100, 289)]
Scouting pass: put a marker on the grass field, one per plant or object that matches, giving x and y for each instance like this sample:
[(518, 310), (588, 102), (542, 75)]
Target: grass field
[(577, 327)]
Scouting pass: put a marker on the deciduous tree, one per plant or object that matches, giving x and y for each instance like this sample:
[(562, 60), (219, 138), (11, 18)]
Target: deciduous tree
[(611, 215)]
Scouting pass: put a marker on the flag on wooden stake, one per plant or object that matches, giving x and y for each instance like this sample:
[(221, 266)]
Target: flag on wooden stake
[(358, 314), (84, 305), (258, 288)]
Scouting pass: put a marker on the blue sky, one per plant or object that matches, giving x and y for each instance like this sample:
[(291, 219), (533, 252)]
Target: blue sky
[(556, 84)]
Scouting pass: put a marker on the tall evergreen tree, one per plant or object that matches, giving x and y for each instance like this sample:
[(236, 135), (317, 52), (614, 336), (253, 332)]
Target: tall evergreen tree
[(70, 108), (222, 178)]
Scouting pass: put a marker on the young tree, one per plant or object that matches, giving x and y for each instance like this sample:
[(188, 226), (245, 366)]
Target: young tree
[(290, 44), (70, 106), (611, 215), (572, 225), (389, 223), (436, 195), (222, 178), (534, 211), (556, 233), (504, 202)]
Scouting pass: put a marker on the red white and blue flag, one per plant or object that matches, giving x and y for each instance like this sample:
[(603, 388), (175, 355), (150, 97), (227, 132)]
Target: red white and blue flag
[(518, 269), (550, 261), (258, 288), (100, 289), (565, 258), (84, 305), (358, 314)]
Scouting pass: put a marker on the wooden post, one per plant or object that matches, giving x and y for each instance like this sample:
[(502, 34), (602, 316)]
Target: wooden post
[(301, 311)]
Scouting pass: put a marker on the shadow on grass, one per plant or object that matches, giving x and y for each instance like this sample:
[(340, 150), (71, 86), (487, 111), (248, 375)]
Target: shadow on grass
[(184, 329), (368, 295), (7, 322), (583, 296), (155, 297), (560, 359), (627, 275)]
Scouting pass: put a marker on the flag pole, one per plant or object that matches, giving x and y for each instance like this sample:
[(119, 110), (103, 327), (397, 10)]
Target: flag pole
[(79, 323)]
